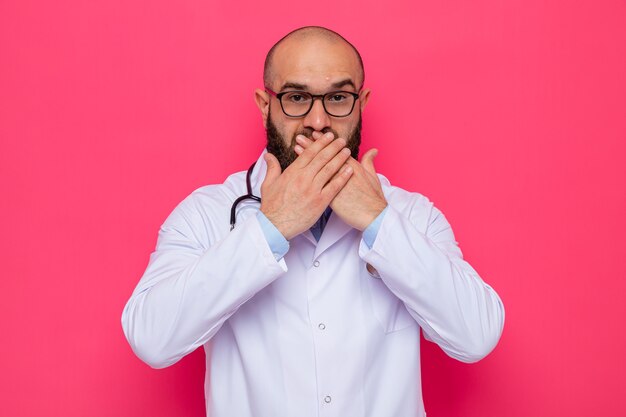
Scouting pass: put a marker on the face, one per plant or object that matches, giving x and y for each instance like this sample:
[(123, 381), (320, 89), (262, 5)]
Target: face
[(317, 66)]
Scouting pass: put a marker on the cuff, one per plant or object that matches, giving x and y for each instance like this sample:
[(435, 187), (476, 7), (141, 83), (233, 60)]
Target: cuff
[(370, 233), (277, 242)]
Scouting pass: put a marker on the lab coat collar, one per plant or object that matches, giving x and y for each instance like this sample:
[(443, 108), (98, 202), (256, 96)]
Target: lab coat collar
[(258, 174)]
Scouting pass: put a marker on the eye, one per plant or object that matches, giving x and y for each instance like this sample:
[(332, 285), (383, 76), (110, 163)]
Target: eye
[(337, 97), (297, 97)]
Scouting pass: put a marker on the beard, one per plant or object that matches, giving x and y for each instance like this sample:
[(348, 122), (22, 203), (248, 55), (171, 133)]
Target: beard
[(277, 145)]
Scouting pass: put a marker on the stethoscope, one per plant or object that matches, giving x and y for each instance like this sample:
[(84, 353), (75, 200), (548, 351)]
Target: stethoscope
[(247, 196)]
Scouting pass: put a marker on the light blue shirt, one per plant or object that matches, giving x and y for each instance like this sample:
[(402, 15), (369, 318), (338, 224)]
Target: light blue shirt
[(279, 245)]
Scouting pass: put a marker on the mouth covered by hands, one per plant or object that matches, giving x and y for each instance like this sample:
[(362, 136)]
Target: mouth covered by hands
[(361, 199)]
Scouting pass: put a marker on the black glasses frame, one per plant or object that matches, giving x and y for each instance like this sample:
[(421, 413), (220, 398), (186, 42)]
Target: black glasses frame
[(313, 98)]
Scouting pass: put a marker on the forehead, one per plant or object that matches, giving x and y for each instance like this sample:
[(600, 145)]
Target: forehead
[(314, 62)]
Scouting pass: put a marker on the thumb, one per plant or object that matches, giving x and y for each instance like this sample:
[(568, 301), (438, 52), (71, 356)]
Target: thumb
[(368, 161), (273, 167)]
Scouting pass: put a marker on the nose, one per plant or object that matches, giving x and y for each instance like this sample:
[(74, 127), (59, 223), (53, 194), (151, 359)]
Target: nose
[(317, 118)]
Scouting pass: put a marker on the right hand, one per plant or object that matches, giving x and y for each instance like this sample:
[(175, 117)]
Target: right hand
[(296, 198)]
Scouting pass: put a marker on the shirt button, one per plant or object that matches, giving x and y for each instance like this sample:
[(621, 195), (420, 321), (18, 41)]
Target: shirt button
[(316, 264), (321, 326), (327, 399)]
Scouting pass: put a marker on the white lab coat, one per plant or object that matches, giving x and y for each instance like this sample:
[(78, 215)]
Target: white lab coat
[(314, 334)]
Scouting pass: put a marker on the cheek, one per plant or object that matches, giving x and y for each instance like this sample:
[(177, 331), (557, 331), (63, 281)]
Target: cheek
[(287, 129), (290, 130), (345, 127)]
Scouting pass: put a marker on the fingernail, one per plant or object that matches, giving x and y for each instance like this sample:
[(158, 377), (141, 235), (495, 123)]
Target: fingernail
[(298, 149), (347, 170)]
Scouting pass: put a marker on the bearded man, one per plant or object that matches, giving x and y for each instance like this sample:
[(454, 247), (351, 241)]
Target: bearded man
[(311, 301)]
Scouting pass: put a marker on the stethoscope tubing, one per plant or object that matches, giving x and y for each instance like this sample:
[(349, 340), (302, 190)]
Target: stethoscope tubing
[(247, 196)]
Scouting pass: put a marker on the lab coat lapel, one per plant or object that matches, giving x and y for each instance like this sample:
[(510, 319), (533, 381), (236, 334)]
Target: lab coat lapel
[(333, 232)]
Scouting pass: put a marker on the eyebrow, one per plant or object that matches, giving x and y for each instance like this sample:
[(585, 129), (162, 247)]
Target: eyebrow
[(304, 87), (343, 83)]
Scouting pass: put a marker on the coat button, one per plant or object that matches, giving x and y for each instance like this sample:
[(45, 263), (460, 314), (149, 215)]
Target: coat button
[(321, 326), (327, 399), (316, 264)]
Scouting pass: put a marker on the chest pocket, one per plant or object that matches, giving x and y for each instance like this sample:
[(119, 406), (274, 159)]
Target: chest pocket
[(389, 310)]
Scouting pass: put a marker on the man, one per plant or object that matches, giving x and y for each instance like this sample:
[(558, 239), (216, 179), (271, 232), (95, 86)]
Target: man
[(312, 304)]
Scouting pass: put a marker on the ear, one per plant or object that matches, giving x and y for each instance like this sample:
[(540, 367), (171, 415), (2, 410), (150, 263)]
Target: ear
[(364, 97), (262, 99)]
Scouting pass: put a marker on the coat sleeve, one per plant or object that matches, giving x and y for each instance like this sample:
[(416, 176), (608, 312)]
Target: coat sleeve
[(421, 263), (192, 286)]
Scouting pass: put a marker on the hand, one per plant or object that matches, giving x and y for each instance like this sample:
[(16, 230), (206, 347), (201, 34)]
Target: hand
[(294, 199), (362, 199)]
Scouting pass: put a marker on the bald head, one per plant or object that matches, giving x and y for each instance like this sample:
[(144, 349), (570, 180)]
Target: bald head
[(316, 38)]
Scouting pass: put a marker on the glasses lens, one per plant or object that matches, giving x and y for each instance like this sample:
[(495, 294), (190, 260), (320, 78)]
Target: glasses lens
[(296, 103), (339, 103)]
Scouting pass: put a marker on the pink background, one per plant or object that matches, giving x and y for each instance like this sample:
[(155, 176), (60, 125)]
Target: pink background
[(509, 115)]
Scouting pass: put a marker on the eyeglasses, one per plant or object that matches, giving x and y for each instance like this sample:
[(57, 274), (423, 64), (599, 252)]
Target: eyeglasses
[(300, 103)]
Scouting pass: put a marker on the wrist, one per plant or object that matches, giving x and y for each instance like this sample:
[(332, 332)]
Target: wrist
[(280, 225), (372, 215)]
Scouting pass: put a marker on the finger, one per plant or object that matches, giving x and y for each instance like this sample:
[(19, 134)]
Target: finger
[(352, 163), (303, 141), (317, 134), (337, 183), (309, 153), (368, 161), (273, 168), (331, 168), (355, 165), (324, 156)]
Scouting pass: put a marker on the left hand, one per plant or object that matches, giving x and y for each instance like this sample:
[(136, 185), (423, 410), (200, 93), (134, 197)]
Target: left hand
[(361, 200)]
